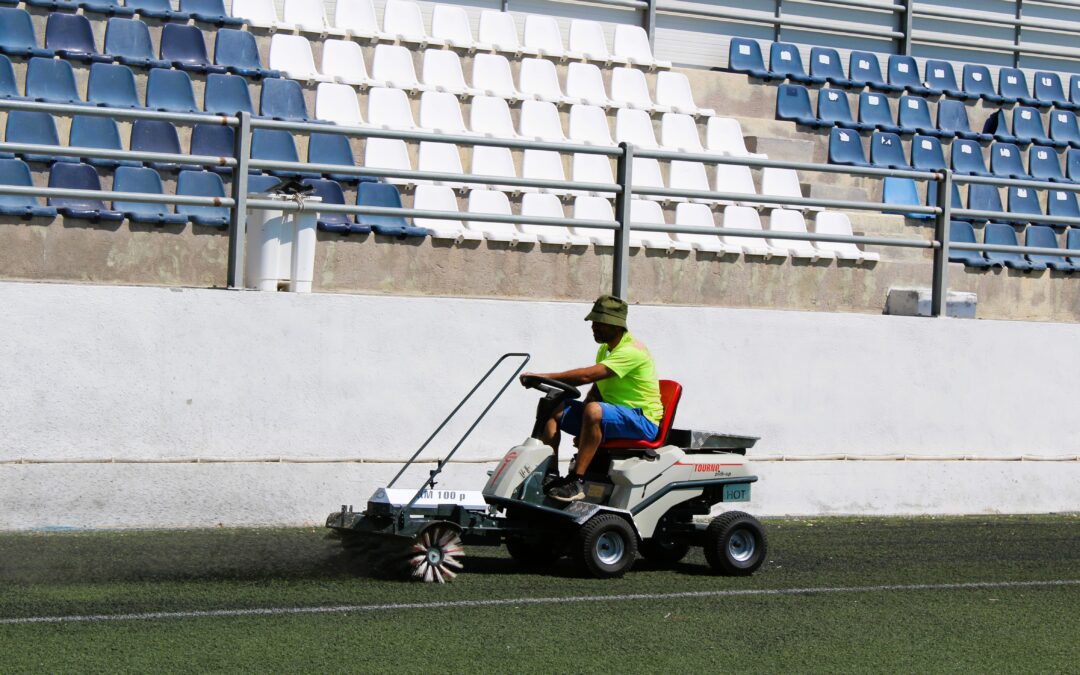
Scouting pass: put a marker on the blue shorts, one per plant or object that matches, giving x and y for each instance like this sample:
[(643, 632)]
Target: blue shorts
[(617, 421)]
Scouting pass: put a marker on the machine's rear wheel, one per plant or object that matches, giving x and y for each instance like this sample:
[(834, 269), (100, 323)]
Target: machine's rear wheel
[(434, 554), (735, 544), (606, 546), (663, 551)]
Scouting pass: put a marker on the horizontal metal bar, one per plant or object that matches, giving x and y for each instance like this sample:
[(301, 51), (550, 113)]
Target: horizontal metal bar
[(772, 234), (101, 153), (1003, 46), (782, 164), (1030, 250), (966, 15), (103, 195), (120, 113), (1001, 216), (859, 4), (434, 136), (1014, 182), (628, 4), (780, 201), (770, 19)]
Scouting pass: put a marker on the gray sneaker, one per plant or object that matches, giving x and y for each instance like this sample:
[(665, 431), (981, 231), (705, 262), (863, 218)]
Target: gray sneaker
[(570, 490)]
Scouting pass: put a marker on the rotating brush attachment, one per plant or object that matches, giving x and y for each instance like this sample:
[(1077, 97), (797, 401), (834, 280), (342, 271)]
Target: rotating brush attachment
[(432, 557)]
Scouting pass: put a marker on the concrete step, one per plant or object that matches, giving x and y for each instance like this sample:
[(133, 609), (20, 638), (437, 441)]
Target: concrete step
[(782, 149)]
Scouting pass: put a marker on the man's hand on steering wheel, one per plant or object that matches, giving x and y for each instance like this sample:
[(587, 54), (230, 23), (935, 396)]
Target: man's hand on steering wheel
[(549, 385)]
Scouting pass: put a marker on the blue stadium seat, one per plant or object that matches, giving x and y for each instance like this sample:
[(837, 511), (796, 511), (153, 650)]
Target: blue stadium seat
[(1072, 241), (34, 128), (983, 197), (227, 95), (341, 223), (15, 172), (70, 36), (978, 83), (940, 75), (184, 48), (927, 154), (961, 232), (1006, 161), (997, 125), (17, 36), (1049, 92), (954, 203), (112, 86), (157, 9), (79, 177), (9, 86), (1028, 127), (107, 7), (904, 73), (967, 158), (785, 63), (1043, 164), (210, 11), (52, 81), (864, 70), (1062, 204), (744, 56), (385, 195), (278, 146), (69, 5), (131, 179), (793, 104), (333, 149), (202, 184), (845, 147), (128, 41), (214, 140), (1074, 91), (1064, 127), (1013, 87), (825, 64), (887, 151), (237, 51), (258, 183), (101, 133), (875, 112), (1072, 165), (156, 136), (1041, 236), (1005, 235), (833, 110), (902, 192), (952, 120), (1024, 202), (283, 100), (913, 117), (170, 91)]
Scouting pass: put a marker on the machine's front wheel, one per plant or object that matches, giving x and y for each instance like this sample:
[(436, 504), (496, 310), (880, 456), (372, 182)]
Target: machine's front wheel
[(735, 544), (434, 554), (606, 546)]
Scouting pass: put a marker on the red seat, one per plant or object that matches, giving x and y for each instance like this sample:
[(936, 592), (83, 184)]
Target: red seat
[(670, 393)]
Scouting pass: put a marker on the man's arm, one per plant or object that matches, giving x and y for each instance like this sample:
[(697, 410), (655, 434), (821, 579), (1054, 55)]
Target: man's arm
[(578, 376)]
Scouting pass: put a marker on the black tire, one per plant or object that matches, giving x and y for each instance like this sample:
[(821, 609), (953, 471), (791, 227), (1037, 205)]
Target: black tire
[(606, 546), (735, 544), (662, 551), (532, 553)]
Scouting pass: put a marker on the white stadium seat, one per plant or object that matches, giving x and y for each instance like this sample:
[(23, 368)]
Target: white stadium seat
[(700, 215), (260, 13), (648, 212), (441, 158), (499, 30), (541, 205), (735, 179), (491, 75), (291, 54), (440, 111), (680, 132), (673, 90), (629, 89), (402, 20), (543, 165), (595, 208), (689, 176), (586, 168), (356, 18), (787, 220), (441, 71), (588, 39), (343, 61), (388, 153), (540, 121), (835, 222), (783, 183), (632, 44), (393, 64), (724, 135), (746, 218), (441, 198), (493, 202), (635, 126), (450, 24), (390, 109), (543, 35), (495, 161), (585, 82), (490, 116), (339, 104), (538, 80), (309, 16), (589, 125)]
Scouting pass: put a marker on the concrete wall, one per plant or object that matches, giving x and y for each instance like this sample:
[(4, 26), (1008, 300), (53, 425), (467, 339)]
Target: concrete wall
[(109, 391)]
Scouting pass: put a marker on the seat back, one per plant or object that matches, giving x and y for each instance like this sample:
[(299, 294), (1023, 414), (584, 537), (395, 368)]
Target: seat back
[(183, 44), (390, 108), (344, 59), (310, 14), (786, 61), (952, 116), (31, 127), (273, 144), (17, 31), (914, 113), (1005, 161), (1072, 165), (1048, 88), (673, 89), (258, 12), (96, 132), (451, 24), (927, 153), (864, 67), (632, 43), (887, 150), (1074, 89), (793, 103), (1063, 204), (744, 56), (442, 69), (379, 194), (875, 109), (226, 95), (394, 63), (833, 107), (112, 86), (206, 10), (1004, 235), (154, 136), (212, 140), (138, 179), (1027, 125), (356, 16), (587, 37), (1024, 201), (678, 131), (902, 192), (69, 33), (51, 80), (542, 33), (984, 198), (9, 87), (1012, 84), (825, 62), (1042, 236), (15, 172), (491, 74), (237, 49), (725, 135), (76, 177), (962, 232), (170, 90), (903, 71), (441, 111), (537, 77), (330, 149), (1064, 127), (940, 75), (499, 30), (283, 100), (1043, 164), (402, 18), (967, 158), (670, 393), (845, 147), (977, 80), (628, 85), (202, 184), (292, 54), (331, 193)]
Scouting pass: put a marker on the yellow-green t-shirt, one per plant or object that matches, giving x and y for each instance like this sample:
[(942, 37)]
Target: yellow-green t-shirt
[(635, 384)]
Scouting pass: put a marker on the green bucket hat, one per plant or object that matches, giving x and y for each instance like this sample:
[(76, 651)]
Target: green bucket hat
[(610, 310)]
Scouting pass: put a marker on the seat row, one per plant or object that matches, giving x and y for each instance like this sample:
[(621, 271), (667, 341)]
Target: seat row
[(127, 41), (1023, 203), (392, 65), (966, 157), (1004, 234), (450, 26), (206, 11), (938, 77)]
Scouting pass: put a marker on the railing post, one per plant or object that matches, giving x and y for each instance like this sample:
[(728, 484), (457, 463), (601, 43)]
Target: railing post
[(238, 217), (778, 20), (1017, 34), (621, 267), (649, 21), (906, 17), (940, 285)]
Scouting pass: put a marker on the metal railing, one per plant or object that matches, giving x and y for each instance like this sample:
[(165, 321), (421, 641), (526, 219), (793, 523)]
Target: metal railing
[(624, 190)]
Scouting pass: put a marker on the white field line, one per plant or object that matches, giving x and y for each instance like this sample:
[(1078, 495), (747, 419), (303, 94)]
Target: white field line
[(457, 604)]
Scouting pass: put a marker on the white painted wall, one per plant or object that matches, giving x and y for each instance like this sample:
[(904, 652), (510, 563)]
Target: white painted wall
[(158, 375)]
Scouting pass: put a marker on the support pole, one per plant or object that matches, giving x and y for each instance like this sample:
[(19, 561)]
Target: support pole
[(620, 270), (906, 19), (940, 285), (1018, 33), (648, 20), (238, 215)]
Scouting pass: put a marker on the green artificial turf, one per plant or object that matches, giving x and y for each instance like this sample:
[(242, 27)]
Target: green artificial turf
[(1032, 629)]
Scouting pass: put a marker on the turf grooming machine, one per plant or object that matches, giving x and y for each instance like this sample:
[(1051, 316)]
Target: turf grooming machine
[(648, 498)]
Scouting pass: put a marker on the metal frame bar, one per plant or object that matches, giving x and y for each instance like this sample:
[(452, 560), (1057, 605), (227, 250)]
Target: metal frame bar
[(620, 271), (238, 215)]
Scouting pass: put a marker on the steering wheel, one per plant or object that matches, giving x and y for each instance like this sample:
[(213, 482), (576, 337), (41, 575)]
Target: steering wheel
[(553, 388)]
